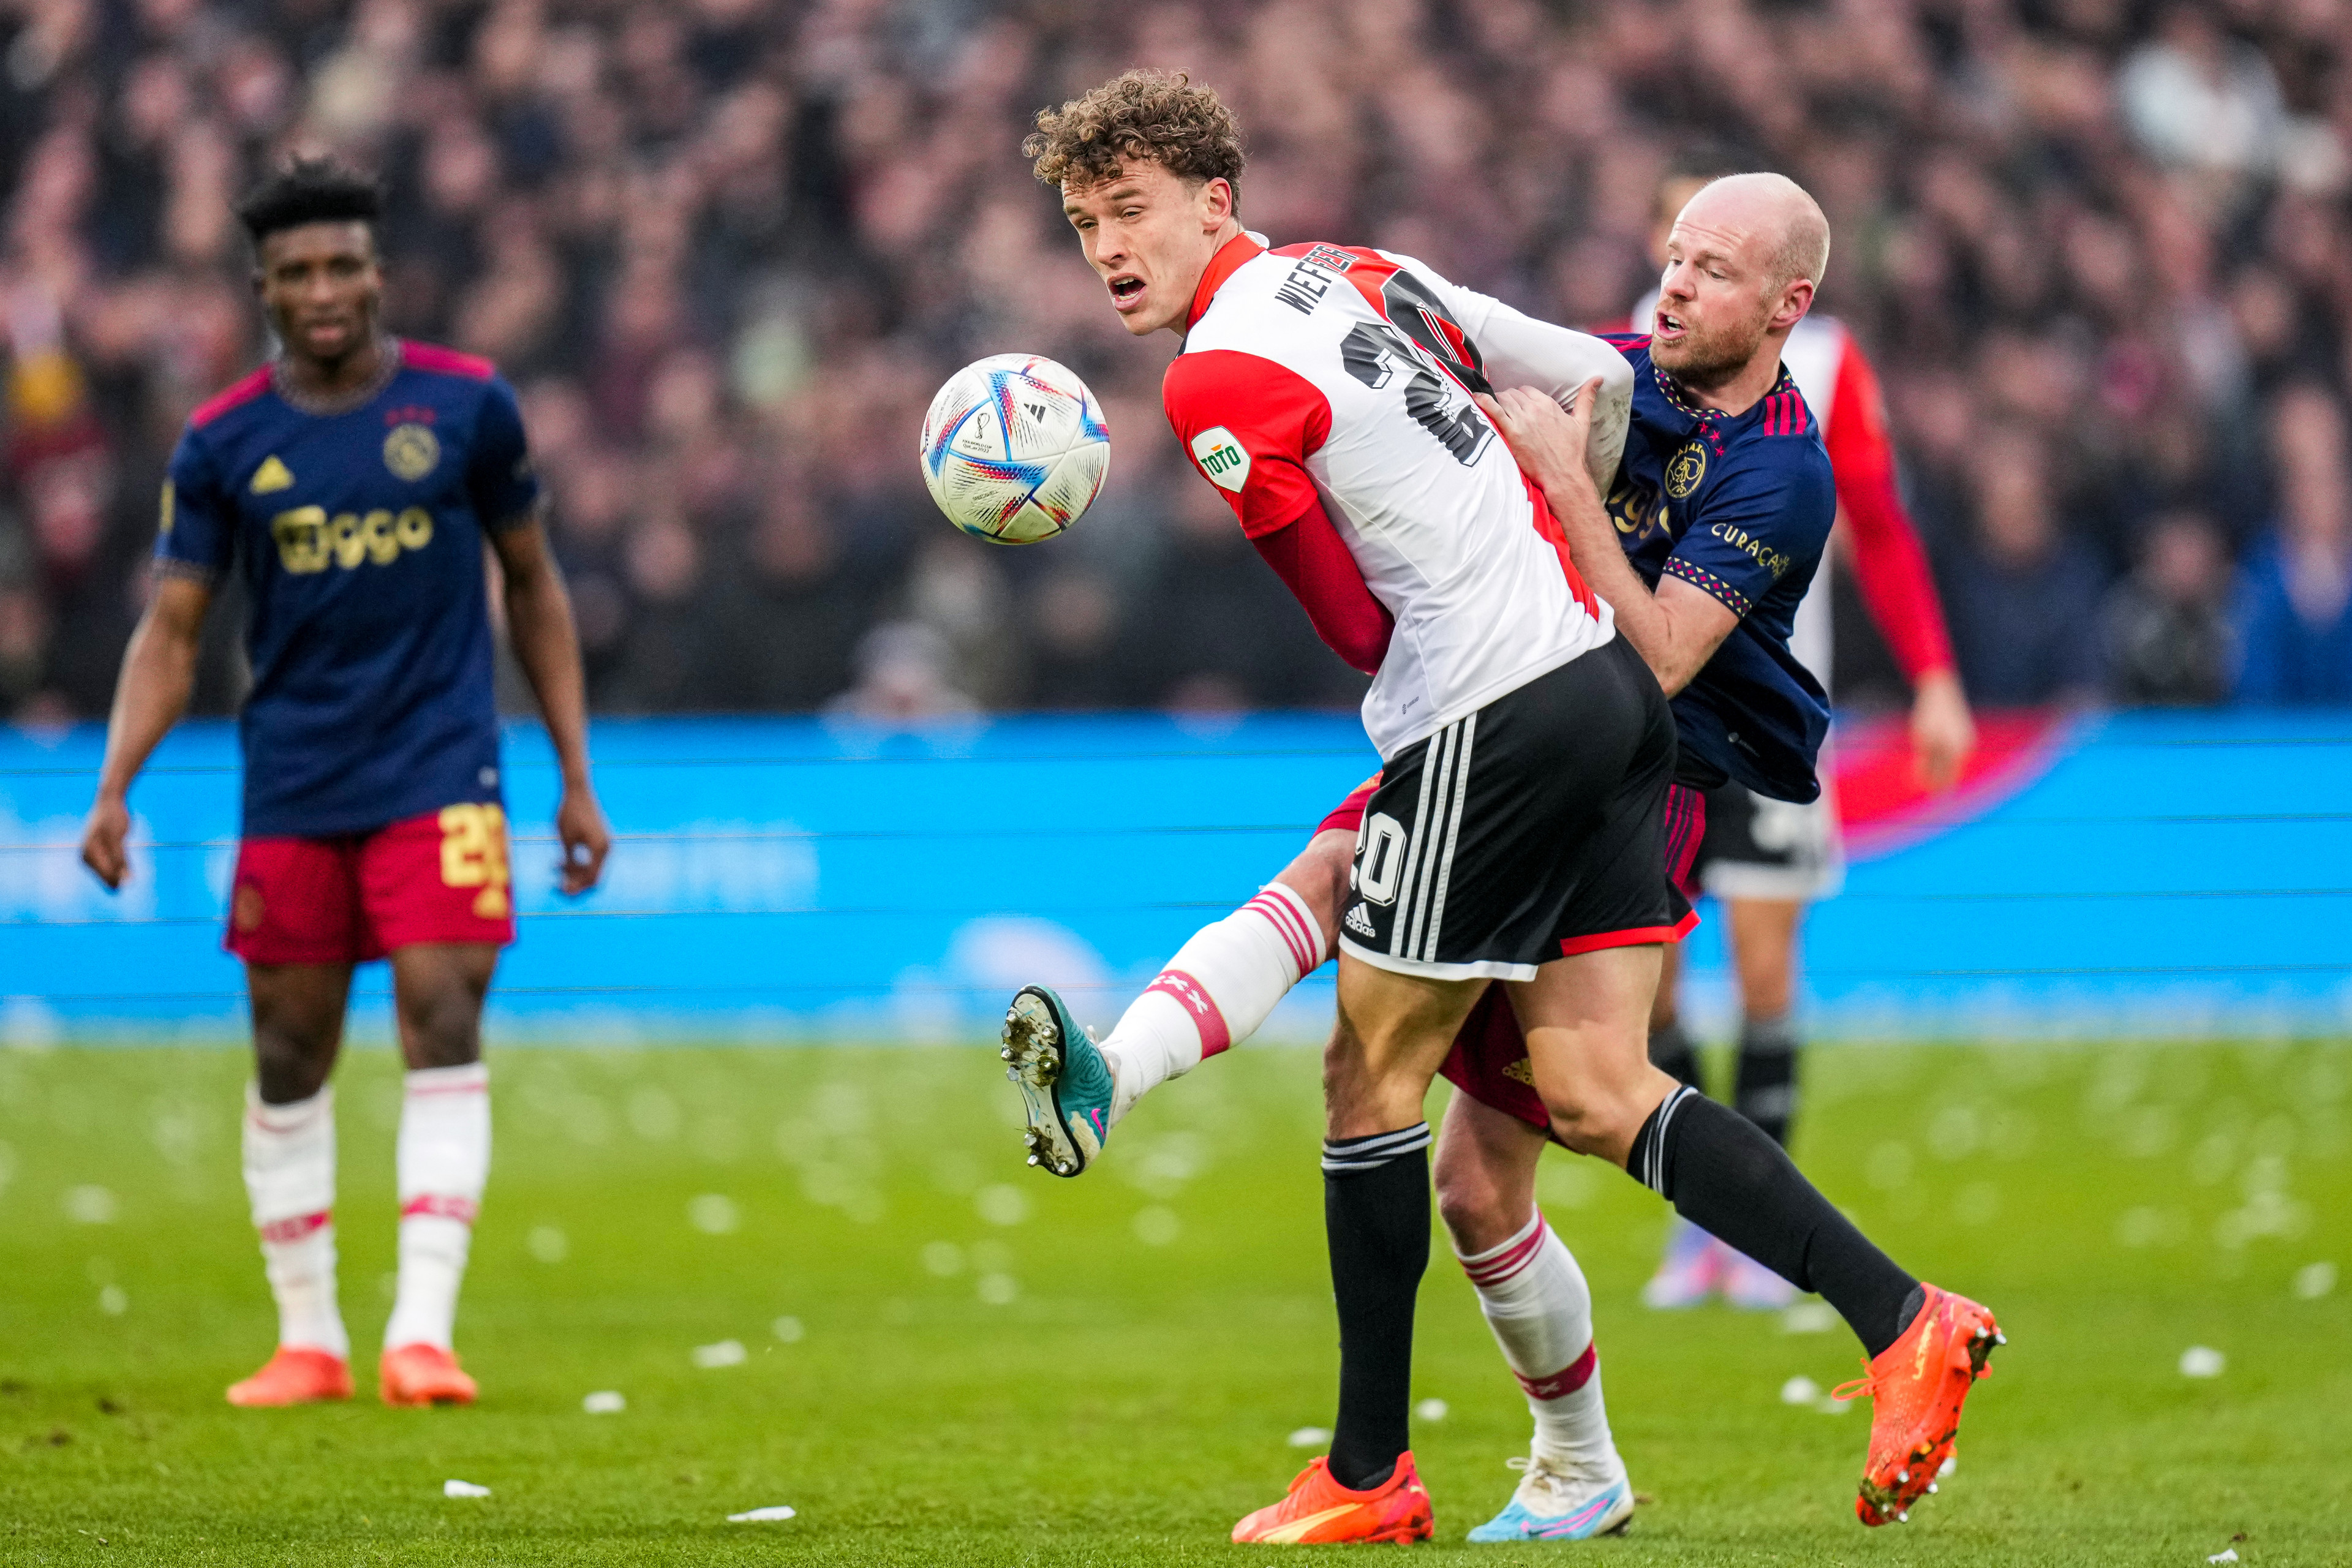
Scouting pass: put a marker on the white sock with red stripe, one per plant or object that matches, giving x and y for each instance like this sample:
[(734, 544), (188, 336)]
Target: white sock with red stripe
[(1537, 1302), (1214, 993), (290, 1175), (443, 1160)]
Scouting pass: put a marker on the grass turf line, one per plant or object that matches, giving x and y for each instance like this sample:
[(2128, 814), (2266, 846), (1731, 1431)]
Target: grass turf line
[(996, 1367)]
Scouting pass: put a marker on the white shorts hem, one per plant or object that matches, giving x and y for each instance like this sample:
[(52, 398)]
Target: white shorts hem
[(1478, 969)]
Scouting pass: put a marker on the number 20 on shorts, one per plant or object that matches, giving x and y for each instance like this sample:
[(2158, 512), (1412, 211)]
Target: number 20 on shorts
[(474, 855)]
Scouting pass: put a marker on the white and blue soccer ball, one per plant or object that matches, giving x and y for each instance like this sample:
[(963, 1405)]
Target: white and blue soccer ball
[(1014, 449)]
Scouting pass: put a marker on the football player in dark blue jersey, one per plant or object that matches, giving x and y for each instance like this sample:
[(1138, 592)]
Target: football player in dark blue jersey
[(1704, 547), (351, 484)]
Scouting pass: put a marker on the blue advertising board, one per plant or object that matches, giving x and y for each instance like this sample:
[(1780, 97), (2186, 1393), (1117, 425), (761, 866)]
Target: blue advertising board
[(807, 879)]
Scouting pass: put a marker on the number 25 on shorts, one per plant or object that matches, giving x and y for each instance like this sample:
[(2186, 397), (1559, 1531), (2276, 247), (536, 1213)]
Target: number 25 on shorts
[(474, 855)]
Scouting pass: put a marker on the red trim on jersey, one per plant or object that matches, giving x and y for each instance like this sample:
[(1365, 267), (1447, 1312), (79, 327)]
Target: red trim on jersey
[(1278, 417), (1634, 936), (446, 362), (1230, 258), (238, 393), (1889, 567), (1314, 563), (1549, 526)]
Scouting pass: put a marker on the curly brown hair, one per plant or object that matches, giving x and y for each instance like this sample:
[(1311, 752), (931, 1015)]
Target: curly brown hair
[(1157, 115)]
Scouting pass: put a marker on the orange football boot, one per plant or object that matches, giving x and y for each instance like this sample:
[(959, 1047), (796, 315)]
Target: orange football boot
[(1917, 1386), (296, 1374), (1318, 1510), (423, 1374)]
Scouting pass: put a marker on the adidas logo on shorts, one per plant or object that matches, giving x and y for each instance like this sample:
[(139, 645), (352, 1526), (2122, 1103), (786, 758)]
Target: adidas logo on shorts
[(1360, 921)]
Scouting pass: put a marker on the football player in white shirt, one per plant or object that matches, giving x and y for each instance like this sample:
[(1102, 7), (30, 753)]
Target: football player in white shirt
[(1516, 833)]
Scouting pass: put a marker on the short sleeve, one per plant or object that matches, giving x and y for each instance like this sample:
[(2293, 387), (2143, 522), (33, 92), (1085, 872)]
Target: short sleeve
[(1755, 525), (499, 479), (1249, 425), (195, 531)]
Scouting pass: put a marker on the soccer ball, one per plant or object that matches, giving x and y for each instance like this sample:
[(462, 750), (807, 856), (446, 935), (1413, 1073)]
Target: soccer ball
[(1014, 449)]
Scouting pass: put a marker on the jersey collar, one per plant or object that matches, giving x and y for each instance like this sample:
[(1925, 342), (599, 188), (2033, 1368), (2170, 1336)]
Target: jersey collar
[(1243, 246)]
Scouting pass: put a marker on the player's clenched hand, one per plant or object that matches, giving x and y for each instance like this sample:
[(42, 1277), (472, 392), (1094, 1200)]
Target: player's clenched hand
[(102, 834), (1547, 439), (579, 823)]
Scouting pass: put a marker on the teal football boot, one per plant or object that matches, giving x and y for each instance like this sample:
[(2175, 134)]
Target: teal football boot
[(1065, 1082)]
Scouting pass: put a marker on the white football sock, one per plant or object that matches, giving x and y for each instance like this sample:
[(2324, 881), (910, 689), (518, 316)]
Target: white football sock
[(443, 1160), (1213, 994), (1537, 1302), (290, 1175)]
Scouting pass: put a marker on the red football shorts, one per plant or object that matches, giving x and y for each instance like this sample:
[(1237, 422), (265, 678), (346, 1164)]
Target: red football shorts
[(441, 877), (1489, 1058)]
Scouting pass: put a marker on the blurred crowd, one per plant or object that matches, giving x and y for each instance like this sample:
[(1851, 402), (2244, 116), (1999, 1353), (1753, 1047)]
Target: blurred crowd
[(727, 249)]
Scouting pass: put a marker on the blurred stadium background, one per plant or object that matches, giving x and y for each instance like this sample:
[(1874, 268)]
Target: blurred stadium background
[(868, 773), (2098, 249)]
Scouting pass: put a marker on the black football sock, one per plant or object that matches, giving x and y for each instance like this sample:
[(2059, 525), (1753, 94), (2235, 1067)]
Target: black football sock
[(1376, 1215), (1765, 1090), (1671, 1052), (1723, 1175)]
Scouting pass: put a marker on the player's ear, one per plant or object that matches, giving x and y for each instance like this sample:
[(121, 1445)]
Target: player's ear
[(1796, 298), (1217, 200)]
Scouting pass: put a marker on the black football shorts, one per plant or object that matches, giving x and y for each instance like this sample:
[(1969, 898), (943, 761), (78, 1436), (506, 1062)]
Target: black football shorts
[(1528, 831)]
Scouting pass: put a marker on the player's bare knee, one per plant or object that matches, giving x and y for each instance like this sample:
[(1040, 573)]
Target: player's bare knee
[(1320, 876)]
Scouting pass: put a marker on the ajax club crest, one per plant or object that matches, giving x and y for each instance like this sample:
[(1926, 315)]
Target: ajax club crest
[(410, 451), (1684, 472)]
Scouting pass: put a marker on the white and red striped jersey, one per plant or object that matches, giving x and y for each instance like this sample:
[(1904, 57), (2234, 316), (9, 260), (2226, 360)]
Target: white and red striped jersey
[(1889, 565), (1326, 392)]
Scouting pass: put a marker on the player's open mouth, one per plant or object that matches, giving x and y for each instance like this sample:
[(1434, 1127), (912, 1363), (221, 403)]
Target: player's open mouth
[(1668, 326), (1126, 290)]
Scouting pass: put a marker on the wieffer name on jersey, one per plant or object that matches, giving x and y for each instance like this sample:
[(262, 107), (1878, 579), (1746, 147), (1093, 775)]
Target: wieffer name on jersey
[(1319, 378)]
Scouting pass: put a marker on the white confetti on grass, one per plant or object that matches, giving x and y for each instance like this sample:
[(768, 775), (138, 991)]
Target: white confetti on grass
[(92, 1205), (714, 1213), (2203, 1361), (1431, 1409), (788, 1330), (2313, 1280), (1800, 1390), (726, 1352), (775, 1515), (1002, 1203), (1310, 1437), (112, 1302), (454, 1488), (1809, 1317), (998, 1289), (547, 1244), (604, 1402), (2226, 1554)]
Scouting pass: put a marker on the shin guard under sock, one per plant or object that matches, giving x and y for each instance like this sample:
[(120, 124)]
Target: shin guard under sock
[(1376, 1216), (1765, 1090), (1723, 1175)]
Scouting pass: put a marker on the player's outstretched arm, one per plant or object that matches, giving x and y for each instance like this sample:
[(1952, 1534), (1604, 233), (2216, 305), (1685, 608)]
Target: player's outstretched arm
[(546, 645), (1676, 629), (159, 670)]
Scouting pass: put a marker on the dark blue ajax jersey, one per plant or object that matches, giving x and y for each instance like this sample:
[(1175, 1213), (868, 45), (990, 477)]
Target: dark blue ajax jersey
[(359, 537), (1740, 508)]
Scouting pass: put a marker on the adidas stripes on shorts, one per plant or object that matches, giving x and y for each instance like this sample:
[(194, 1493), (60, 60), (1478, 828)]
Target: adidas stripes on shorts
[(1529, 830)]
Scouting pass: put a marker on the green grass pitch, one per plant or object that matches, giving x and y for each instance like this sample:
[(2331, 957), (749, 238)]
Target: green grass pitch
[(979, 1364)]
